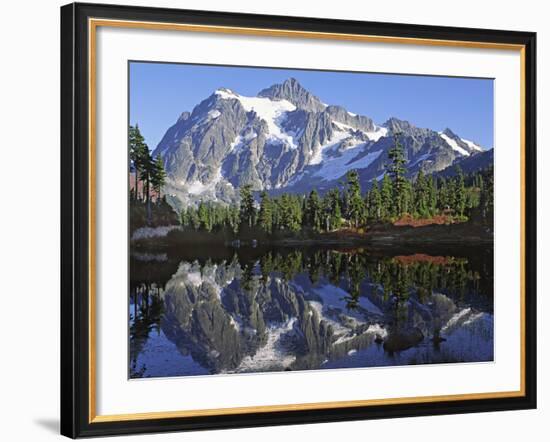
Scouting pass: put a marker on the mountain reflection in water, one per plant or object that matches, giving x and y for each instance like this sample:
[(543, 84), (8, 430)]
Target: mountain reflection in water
[(260, 310)]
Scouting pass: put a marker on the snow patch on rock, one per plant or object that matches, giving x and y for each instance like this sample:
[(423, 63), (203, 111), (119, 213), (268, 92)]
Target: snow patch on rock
[(273, 112), (333, 168), (472, 145), (454, 145)]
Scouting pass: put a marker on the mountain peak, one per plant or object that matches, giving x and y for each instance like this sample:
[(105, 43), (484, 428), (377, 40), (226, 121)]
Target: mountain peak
[(223, 92), (285, 138), (294, 92), (396, 125), (458, 143), (450, 133), (292, 81)]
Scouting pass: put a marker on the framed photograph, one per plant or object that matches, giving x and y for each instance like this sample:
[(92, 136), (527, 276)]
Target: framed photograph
[(279, 220)]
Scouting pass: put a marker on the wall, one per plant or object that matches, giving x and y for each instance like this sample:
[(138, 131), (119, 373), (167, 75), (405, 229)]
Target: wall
[(29, 220)]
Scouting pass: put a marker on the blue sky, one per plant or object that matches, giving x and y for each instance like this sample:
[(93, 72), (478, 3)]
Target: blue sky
[(160, 92)]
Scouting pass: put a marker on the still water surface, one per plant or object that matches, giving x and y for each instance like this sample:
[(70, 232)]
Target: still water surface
[(224, 310)]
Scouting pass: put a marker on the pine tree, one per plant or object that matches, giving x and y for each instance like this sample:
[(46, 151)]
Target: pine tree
[(407, 197), (285, 212), (248, 211), (297, 211), (397, 172), (184, 219), (134, 141), (487, 197), (291, 211), (387, 208), (139, 153), (204, 217), (265, 218), (193, 217), (432, 196), (446, 194), (312, 213), (375, 202), (147, 167), (234, 217), (421, 195), (158, 177), (356, 205), (344, 199), (332, 213), (459, 192), (336, 218), (276, 209), (326, 210)]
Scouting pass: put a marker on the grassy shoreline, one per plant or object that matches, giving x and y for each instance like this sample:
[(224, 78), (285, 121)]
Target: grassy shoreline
[(457, 233)]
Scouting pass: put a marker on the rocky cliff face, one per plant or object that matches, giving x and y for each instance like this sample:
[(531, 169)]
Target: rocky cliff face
[(292, 91), (287, 139)]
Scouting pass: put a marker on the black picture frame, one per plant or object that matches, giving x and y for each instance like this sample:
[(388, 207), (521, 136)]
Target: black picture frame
[(75, 221)]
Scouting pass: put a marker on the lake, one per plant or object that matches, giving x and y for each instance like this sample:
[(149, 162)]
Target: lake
[(217, 310)]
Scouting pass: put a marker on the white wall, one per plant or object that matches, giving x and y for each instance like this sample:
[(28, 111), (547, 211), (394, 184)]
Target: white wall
[(29, 220)]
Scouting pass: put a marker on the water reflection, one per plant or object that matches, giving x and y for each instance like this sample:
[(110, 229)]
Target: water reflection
[(294, 309)]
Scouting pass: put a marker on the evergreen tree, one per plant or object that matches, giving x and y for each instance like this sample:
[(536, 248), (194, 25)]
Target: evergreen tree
[(158, 177), (297, 211), (248, 211), (426, 197), (387, 208), (336, 218), (459, 192), (432, 196), (265, 218), (332, 213), (421, 195), (344, 199), (487, 197), (284, 211), (375, 202), (276, 209), (134, 143), (312, 214), (291, 211), (193, 217), (397, 172), (334, 209), (233, 218), (326, 210), (356, 205), (204, 217), (407, 197), (147, 167), (445, 194), (139, 153), (184, 219)]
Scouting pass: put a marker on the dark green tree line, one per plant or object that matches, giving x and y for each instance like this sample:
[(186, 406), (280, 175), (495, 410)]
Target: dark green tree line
[(395, 196), (146, 169)]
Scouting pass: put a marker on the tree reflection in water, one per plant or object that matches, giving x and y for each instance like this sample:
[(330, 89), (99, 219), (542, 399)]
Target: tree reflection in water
[(310, 308)]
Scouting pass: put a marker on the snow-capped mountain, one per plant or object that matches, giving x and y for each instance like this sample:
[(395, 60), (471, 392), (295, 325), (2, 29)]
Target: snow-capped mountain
[(287, 139)]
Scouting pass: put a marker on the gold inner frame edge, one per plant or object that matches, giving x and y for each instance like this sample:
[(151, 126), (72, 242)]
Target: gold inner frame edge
[(93, 24)]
